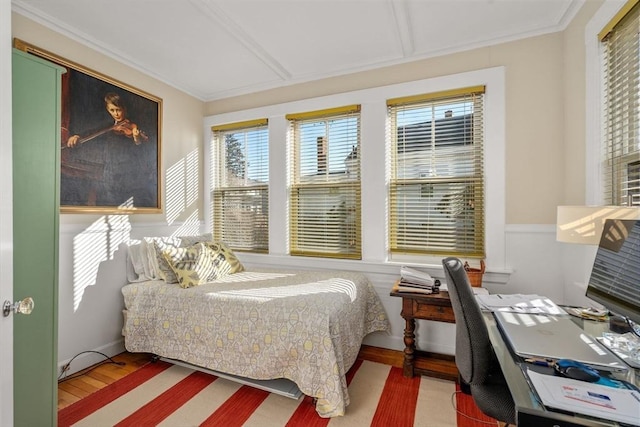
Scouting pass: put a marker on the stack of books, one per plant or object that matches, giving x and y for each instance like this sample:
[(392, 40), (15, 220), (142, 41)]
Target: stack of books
[(415, 281)]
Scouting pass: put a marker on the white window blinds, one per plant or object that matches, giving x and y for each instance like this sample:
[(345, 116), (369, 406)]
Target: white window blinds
[(436, 188), (324, 198), (240, 176), (621, 72)]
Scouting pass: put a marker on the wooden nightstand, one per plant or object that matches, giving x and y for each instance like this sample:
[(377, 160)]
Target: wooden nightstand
[(435, 307)]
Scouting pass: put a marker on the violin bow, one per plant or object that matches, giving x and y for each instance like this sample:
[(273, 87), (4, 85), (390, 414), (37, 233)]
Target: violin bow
[(93, 135)]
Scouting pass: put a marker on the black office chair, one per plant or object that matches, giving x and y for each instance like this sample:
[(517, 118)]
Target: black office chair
[(475, 358)]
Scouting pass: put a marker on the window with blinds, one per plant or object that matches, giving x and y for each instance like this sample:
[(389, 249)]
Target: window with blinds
[(436, 186), (240, 177), (324, 197), (621, 73)]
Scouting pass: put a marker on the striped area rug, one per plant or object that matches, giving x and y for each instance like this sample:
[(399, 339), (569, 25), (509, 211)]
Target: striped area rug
[(162, 394)]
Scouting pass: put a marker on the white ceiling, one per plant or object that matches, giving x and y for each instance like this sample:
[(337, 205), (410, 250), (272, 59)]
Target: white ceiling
[(213, 49)]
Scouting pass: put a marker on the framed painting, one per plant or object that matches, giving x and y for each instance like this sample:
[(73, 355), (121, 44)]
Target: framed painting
[(110, 159)]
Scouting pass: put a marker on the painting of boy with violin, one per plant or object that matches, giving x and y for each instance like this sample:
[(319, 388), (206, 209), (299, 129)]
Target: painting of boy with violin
[(110, 142), (110, 147)]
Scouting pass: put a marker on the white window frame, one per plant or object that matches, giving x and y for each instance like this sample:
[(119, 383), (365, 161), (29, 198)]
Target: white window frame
[(373, 127)]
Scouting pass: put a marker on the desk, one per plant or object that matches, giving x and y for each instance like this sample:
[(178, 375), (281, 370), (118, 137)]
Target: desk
[(529, 411), (435, 307)]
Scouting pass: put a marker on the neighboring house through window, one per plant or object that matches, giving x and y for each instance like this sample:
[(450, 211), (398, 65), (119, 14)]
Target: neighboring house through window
[(324, 187), (436, 190), (240, 177)]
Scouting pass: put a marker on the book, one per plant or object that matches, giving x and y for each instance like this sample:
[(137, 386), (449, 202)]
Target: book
[(399, 287), (416, 281), (416, 277)]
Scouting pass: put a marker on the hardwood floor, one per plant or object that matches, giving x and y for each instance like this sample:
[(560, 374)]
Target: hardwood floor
[(92, 379)]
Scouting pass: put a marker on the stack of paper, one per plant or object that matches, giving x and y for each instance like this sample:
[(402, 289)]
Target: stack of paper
[(412, 280), (589, 313), (622, 405)]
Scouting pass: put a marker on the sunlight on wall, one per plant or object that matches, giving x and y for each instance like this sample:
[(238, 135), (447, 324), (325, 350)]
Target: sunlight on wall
[(584, 224), (190, 227), (100, 240), (191, 174), (96, 244), (182, 187)]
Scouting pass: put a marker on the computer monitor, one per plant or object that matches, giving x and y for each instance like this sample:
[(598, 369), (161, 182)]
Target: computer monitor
[(615, 276)]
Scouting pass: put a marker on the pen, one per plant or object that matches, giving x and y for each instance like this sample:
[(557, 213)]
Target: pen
[(539, 362), (499, 296)]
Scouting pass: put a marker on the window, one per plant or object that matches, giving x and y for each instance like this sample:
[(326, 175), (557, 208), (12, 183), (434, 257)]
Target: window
[(324, 184), (240, 177), (621, 74), (436, 187)]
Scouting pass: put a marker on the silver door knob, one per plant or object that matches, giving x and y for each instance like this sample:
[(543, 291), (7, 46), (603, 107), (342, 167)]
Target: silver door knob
[(24, 307)]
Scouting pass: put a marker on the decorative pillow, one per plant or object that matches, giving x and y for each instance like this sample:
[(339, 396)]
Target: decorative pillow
[(225, 260), (159, 268), (163, 269), (188, 265), (201, 263)]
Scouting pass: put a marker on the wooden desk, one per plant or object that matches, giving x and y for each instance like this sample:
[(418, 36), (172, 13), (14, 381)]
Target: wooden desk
[(435, 307)]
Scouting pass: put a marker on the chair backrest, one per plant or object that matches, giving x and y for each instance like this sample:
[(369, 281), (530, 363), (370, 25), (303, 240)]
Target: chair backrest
[(474, 353)]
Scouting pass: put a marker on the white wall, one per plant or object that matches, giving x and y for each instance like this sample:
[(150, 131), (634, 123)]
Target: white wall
[(92, 272)]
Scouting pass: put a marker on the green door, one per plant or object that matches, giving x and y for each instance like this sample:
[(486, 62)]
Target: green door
[(36, 159)]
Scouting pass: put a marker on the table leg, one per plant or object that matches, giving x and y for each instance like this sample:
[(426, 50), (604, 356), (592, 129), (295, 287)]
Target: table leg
[(410, 347)]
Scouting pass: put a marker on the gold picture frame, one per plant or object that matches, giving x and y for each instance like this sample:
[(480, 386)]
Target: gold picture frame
[(110, 142)]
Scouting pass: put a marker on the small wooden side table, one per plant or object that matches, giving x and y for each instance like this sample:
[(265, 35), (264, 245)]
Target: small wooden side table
[(435, 307)]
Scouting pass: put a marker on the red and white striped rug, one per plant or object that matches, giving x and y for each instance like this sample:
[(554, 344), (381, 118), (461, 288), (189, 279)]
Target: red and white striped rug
[(162, 394)]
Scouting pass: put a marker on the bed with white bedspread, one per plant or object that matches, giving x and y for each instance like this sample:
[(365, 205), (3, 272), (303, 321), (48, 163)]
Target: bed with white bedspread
[(303, 326)]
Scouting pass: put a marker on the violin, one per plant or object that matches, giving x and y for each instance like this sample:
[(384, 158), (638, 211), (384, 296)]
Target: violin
[(130, 130), (124, 127)]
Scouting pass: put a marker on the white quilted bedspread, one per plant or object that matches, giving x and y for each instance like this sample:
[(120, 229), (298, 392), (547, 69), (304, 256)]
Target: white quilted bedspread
[(303, 326)]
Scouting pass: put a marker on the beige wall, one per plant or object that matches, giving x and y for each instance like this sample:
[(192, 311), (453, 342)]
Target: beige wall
[(545, 111), (181, 130)]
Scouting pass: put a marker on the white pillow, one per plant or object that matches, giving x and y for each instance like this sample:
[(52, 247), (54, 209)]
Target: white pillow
[(132, 274), (137, 263)]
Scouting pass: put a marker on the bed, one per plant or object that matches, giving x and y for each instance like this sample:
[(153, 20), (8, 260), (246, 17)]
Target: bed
[(303, 326)]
